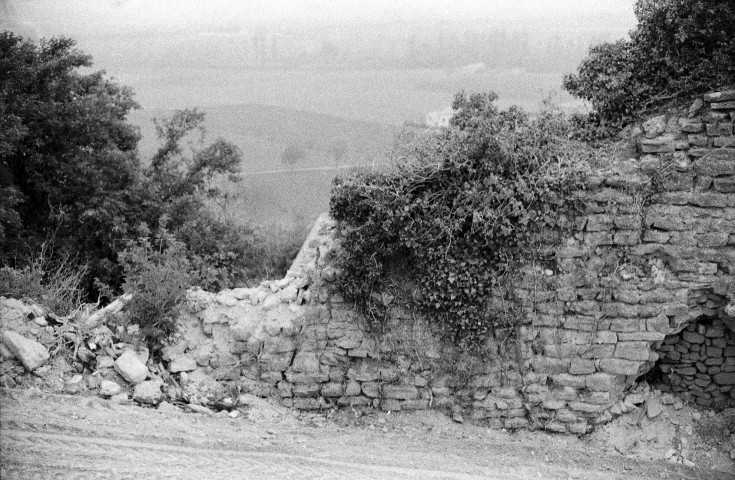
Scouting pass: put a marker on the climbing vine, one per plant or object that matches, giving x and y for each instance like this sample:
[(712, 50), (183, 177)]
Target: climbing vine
[(457, 215)]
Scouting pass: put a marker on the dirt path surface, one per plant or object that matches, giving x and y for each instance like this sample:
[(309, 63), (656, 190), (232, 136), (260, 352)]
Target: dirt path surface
[(46, 436)]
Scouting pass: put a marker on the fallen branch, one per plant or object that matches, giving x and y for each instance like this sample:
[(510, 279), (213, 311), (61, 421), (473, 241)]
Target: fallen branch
[(113, 308)]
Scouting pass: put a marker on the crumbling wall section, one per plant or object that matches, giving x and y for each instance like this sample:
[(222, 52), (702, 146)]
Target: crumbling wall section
[(655, 243)]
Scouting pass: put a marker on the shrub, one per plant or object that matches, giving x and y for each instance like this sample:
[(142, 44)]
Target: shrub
[(157, 275), (679, 48), (458, 214), (57, 285)]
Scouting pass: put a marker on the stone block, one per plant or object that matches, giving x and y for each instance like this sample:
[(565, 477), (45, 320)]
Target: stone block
[(723, 105), (305, 390), (725, 378), (371, 389), (306, 403), (619, 366), (641, 336), (278, 344), (717, 162), (660, 144), (599, 351), (658, 324), (183, 363), (692, 337), (400, 392), (722, 96), (550, 365), (714, 352), (305, 362), (719, 129), (567, 380), (365, 371), (720, 142), (515, 423), (553, 403), (389, 405), (690, 126), (352, 388), (586, 407), (581, 366), (603, 382), (725, 184), (627, 237), (418, 404), (285, 389)]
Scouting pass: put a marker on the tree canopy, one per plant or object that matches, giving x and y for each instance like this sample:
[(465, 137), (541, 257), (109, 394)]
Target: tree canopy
[(73, 186), (68, 158), (679, 48)]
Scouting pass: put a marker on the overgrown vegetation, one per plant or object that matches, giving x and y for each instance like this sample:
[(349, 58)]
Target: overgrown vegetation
[(458, 214), (679, 48), (73, 187)]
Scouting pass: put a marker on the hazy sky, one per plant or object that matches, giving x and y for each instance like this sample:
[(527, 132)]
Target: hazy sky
[(96, 16), (176, 53)]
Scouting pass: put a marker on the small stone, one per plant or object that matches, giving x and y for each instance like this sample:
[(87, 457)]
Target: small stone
[(688, 463), (75, 379), (166, 407), (40, 321), (199, 409), (148, 393), (678, 405), (654, 407), (697, 416), (104, 361), (182, 364), (42, 371), (234, 414), (109, 388), (120, 398), (689, 430), (670, 453)]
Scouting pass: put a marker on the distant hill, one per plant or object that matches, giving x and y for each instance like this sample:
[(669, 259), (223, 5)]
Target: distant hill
[(263, 132)]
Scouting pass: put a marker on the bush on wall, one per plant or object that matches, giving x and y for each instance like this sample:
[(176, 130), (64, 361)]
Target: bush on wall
[(458, 212), (679, 48)]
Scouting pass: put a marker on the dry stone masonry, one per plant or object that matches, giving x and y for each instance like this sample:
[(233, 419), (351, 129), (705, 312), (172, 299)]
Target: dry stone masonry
[(643, 285), (647, 273)]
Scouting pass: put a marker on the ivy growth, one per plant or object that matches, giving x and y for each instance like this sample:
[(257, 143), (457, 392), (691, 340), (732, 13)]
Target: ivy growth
[(458, 213)]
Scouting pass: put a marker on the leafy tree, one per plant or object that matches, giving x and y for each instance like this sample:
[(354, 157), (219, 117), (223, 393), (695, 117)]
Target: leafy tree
[(67, 155), (292, 154), (679, 48), (72, 185)]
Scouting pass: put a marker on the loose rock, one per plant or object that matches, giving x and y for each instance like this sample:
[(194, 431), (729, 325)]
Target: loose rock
[(131, 368), (148, 393), (30, 353), (109, 388)]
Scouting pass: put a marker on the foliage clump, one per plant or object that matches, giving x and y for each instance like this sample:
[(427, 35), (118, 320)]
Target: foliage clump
[(157, 276), (72, 182), (458, 213), (679, 48)]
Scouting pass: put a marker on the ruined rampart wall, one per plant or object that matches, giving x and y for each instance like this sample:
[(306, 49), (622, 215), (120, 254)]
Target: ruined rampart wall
[(653, 254)]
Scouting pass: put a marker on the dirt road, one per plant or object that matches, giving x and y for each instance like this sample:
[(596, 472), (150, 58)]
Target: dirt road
[(47, 436)]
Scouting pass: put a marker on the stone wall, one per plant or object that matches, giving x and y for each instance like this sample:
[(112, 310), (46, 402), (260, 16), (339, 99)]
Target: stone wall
[(699, 363), (655, 246)]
